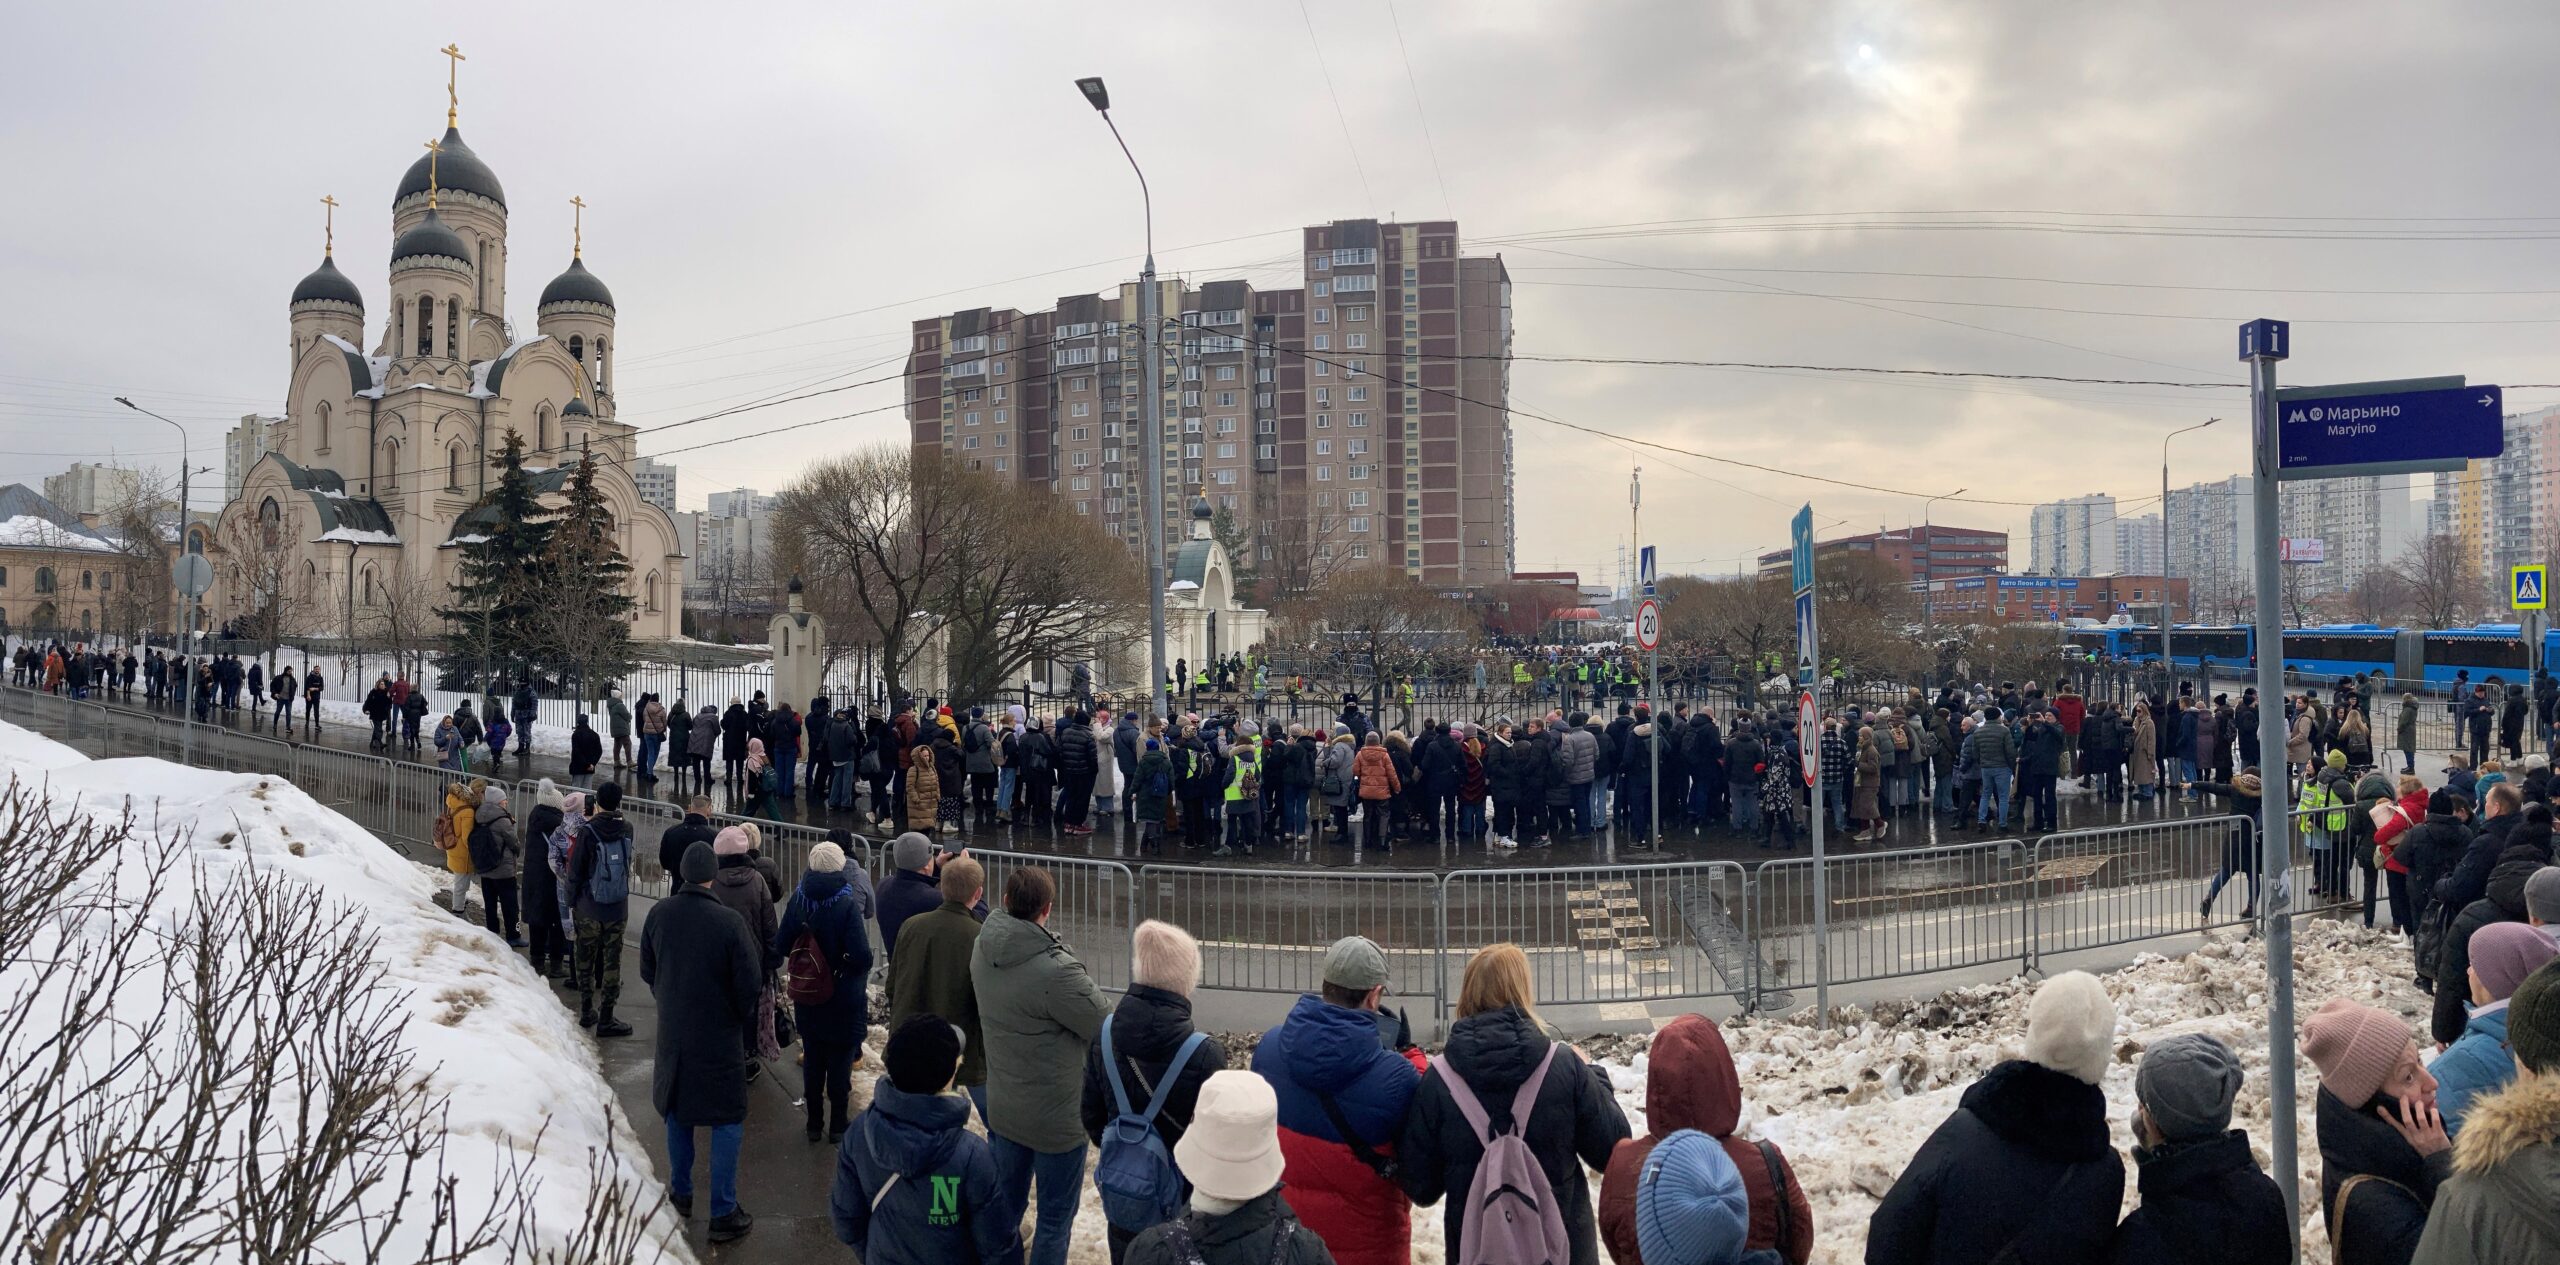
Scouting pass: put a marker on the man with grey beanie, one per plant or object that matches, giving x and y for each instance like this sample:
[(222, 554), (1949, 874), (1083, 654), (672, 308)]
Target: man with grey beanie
[(912, 889), (2203, 1196)]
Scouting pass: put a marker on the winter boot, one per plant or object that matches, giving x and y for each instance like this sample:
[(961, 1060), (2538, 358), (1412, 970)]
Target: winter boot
[(586, 1009), (733, 1227), (606, 1024)]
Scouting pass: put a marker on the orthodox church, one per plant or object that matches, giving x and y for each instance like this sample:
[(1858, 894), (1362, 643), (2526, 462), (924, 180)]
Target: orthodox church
[(383, 461)]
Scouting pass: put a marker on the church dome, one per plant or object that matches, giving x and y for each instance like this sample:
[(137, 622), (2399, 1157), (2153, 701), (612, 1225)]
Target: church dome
[(457, 169), (576, 408), (430, 238), (328, 285), (577, 285)]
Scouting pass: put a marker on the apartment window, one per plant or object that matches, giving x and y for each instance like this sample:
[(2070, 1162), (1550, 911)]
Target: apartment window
[(1356, 312), (1000, 416), (1353, 283), (1324, 500), (1324, 421), (1324, 316), (1080, 483), (1112, 480), (1226, 425), (1191, 373), (972, 396), (969, 442), (1324, 368), (1003, 440), (1226, 452), (1226, 478), (1319, 261), (1359, 419), (1191, 452), (1111, 430), (1324, 474), (1001, 365), (1359, 447), (1358, 500), (1110, 456), (1323, 342), (1324, 447), (970, 419), (1262, 399), (1081, 460), (1357, 523), (1356, 342), (1359, 550), (1226, 373), (1355, 368), (1077, 356), (1081, 409), (1357, 473), (1226, 399), (1079, 433), (1190, 399), (1079, 384), (1323, 289), (1085, 508), (1350, 256), (963, 346), (1000, 461), (1358, 394), (1324, 395)]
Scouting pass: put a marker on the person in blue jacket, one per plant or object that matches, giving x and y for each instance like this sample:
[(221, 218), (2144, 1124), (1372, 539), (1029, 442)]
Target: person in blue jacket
[(2477, 1063), (913, 1186)]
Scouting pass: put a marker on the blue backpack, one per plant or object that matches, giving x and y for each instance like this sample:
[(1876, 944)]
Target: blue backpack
[(610, 883), (1135, 1173)]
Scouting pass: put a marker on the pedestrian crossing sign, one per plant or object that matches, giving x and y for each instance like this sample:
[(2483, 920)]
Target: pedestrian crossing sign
[(2527, 589)]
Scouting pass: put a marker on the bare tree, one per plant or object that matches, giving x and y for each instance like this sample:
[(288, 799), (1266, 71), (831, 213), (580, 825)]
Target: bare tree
[(2379, 596), (1306, 547), (1378, 625), (134, 526), (864, 532), (1742, 619), (1023, 580), (266, 593), (2442, 573), (403, 619)]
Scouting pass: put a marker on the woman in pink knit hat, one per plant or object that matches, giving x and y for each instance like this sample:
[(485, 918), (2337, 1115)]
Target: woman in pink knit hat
[(2383, 1148)]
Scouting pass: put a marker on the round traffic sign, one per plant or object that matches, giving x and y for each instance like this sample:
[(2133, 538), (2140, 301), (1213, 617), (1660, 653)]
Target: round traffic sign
[(193, 574), (1648, 625), (1808, 728)]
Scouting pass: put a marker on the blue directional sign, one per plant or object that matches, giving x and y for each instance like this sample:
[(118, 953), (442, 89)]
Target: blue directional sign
[(1802, 532), (2412, 425)]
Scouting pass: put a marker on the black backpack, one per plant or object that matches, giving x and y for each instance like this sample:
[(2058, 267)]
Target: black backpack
[(485, 854)]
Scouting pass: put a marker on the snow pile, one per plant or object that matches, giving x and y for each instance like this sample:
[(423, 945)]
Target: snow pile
[(1852, 1105), (514, 1082)]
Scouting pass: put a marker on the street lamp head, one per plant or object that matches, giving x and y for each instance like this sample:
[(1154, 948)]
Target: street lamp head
[(128, 403), (1091, 87)]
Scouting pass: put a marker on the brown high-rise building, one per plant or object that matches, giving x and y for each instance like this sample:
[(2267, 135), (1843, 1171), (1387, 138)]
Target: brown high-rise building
[(1360, 419)]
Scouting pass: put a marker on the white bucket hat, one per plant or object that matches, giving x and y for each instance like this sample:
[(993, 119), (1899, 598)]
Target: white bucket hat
[(1232, 1149)]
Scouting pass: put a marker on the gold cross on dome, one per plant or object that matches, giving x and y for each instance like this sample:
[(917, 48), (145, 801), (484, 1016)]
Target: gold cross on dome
[(577, 227), (433, 149), (329, 225), (452, 69)]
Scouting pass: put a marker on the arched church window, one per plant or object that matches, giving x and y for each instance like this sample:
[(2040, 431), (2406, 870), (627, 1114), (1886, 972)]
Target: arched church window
[(426, 325), (368, 586), (322, 416), (88, 580), (270, 522), (542, 428), (44, 579), (578, 351), (453, 329), (649, 592), (391, 465), (453, 468), (399, 327)]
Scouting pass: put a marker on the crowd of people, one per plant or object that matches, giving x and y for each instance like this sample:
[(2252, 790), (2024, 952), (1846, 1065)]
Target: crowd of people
[(1339, 1125)]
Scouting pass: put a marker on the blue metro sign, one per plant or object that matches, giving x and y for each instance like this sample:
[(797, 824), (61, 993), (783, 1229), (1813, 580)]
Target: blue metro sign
[(2411, 425)]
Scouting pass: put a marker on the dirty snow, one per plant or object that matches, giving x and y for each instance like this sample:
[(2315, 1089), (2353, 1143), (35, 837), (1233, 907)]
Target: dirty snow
[(1850, 1106), (485, 1029)]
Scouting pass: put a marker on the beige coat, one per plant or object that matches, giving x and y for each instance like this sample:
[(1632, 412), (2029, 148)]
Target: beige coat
[(2144, 762)]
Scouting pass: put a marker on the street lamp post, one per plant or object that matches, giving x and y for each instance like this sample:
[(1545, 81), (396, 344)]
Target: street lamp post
[(2168, 614), (177, 597), (1929, 576), (1151, 493)]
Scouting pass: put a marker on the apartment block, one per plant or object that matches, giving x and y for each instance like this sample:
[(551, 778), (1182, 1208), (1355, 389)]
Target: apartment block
[(2075, 536), (1924, 554), (657, 482), (89, 487), (1359, 418), (252, 439)]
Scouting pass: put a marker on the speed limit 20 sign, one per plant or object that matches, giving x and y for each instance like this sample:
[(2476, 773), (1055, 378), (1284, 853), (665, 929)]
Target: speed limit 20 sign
[(1649, 625)]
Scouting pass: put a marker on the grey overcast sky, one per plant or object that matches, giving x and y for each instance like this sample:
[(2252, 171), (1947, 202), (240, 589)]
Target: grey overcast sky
[(775, 190)]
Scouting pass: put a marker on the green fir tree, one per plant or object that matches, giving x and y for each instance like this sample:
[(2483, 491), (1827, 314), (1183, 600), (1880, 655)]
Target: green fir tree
[(493, 625), (588, 599)]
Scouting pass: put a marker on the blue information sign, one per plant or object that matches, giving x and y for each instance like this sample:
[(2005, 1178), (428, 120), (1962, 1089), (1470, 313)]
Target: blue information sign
[(2387, 427), (1802, 532)]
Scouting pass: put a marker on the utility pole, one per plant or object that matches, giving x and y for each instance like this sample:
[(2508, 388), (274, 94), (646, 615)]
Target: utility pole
[(2275, 816), (1652, 663)]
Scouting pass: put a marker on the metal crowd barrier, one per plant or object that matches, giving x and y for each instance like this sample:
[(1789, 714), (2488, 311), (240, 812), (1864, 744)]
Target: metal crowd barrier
[(1095, 912), (1893, 914), (1259, 941), (1608, 933)]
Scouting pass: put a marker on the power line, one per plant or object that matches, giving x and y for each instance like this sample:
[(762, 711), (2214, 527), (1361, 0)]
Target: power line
[(1447, 204), (1348, 144), (2067, 281), (2064, 311)]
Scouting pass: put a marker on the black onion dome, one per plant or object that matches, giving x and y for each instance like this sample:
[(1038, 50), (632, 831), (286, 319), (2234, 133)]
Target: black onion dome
[(577, 285), (430, 237), (576, 408), (327, 284), (457, 169)]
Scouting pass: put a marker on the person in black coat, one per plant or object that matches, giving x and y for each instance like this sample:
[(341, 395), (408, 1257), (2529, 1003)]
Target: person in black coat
[(2502, 900), (736, 726), (1078, 764), (2024, 1169), (1702, 748), (546, 941), (1442, 769), (701, 967), (2383, 1149), (1148, 1029), (2204, 1199), (1495, 1047), (695, 828), (828, 908)]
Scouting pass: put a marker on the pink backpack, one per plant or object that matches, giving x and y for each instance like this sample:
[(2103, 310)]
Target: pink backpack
[(1511, 1217)]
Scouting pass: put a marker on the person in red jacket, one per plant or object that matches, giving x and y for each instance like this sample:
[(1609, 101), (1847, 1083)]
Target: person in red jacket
[(2396, 821), (1690, 1083), (1345, 1071), (2070, 709)]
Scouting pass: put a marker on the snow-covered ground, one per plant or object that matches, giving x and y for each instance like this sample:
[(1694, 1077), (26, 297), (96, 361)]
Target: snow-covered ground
[(1850, 1106), (515, 1080)]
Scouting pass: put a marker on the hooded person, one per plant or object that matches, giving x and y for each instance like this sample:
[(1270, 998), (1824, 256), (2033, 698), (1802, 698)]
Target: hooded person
[(2503, 1200), (546, 943), (2502, 955), (913, 1185), (1344, 1071), (1231, 1157), (1689, 1206), (741, 887), (1690, 1085), (826, 909), (2383, 1149), (2025, 1168), (497, 855), (2204, 1199)]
